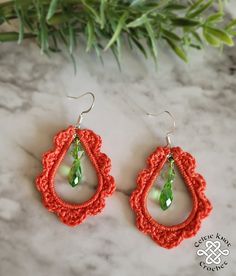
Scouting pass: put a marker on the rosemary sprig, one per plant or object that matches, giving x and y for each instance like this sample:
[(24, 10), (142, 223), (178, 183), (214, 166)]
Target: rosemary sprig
[(107, 24)]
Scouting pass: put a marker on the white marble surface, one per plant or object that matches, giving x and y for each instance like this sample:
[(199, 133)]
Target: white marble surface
[(33, 107)]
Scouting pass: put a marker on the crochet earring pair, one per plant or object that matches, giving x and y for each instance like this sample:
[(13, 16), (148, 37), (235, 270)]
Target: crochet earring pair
[(85, 140)]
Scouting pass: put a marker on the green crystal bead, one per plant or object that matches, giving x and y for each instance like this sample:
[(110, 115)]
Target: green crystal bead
[(75, 174), (166, 196), (77, 149)]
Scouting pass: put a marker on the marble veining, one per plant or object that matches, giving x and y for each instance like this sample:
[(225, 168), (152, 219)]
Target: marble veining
[(34, 107)]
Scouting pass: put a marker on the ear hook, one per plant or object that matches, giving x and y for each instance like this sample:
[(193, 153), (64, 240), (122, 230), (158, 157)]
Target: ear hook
[(80, 118), (168, 140)]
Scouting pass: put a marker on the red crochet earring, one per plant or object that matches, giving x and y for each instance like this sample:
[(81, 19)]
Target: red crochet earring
[(83, 140), (169, 236)]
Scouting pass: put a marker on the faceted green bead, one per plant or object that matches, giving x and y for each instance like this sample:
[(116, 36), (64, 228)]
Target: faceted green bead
[(75, 174), (166, 196), (77, 149)]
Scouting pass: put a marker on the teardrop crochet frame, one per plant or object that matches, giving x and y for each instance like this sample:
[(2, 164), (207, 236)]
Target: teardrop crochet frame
[(70, 213), (170, 236)]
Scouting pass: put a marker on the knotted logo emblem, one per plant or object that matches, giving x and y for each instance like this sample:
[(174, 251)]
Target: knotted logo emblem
[(213, 252)]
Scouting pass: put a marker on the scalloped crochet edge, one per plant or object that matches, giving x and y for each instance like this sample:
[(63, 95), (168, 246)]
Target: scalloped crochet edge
[(68, 213), (170, 236)]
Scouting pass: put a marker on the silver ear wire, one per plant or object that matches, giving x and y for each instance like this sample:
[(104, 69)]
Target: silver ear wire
[(80, 118), (168, 140)]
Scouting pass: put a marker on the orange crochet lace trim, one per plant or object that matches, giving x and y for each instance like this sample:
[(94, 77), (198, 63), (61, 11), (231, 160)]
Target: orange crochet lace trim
[(170, 236), (74, 214)]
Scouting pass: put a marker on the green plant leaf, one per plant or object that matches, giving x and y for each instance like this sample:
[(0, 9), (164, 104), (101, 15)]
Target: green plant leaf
[(152, 38), (90, 35), (195, 5), (21, 23), (197, 38), (184, 22), (12, 36), (114, 51), (92, 11), (175, 7), (9, 36), (72, 39), (222, 35), (59, 19), (137, 3), (210, 39), (139, 46), (171, 35), (138, 22), (52, 8), (43, 31), (200, 10), (217, 17), (231, 25), (220, 6), (102, 12), (195, 46), (119, 27), (177, 49)]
